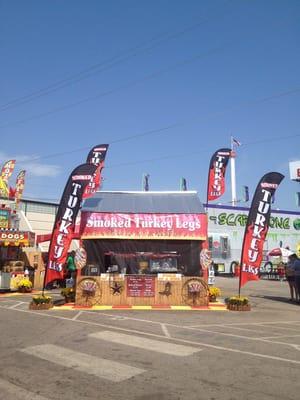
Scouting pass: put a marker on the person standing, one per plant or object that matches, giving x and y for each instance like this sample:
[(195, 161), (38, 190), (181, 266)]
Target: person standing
[(290, 277), (71, 268), (296, 267)]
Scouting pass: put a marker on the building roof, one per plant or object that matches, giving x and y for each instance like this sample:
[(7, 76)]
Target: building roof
[(184, 202)]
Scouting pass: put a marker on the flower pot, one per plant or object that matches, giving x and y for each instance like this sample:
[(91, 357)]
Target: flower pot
[(23, 289), (69, 299), (239, 307), (212, 299), (40, 306)]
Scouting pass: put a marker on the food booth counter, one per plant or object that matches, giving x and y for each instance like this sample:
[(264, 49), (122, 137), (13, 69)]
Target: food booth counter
[(143, 248)]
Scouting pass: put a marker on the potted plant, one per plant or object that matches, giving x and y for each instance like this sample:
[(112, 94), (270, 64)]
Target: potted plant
[(213, 293), (24, 285), (238, 303), (68, 294), (41, 302)]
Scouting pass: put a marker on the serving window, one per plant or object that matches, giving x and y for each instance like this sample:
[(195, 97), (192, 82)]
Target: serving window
[(142, 256)]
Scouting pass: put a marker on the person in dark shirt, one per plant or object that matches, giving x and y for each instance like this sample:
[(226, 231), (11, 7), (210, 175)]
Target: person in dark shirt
[(290, 277), (296, 267)]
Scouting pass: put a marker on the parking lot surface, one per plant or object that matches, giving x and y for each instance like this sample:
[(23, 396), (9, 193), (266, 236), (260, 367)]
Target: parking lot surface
[(145, 355)]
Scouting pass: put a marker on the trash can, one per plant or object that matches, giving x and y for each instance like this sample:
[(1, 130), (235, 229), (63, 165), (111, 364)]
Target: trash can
[(4, 281)]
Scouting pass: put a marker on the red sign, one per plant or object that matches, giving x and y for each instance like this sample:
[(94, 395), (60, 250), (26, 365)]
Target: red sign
[(140, 286), (143, 226)]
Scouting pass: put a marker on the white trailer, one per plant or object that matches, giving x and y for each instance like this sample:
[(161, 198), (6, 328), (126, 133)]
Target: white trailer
[(226, 227)]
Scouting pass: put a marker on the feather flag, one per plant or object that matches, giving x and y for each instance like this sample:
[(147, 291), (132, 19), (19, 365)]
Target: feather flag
[(20, 183), (64, 225), (216, 174), (7, 170), (257, 227), (96, 157)]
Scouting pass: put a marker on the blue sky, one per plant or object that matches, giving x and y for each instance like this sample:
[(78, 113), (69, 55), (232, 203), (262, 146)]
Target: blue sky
[(165, 83)]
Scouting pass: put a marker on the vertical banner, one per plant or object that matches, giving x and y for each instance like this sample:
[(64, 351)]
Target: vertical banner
[(96, 157), (64, 224), (20, 183), (216, 174), (6, 172), (257, 227), (4, 190)]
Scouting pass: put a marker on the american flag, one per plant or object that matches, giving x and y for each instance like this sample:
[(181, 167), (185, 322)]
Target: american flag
[(235, 141)]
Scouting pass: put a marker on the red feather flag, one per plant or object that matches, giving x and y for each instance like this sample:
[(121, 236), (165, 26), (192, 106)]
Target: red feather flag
[(216, 174), (64, 225), (257, 227)]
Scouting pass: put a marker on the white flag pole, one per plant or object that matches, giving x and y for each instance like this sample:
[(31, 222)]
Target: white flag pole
[(232, 170)]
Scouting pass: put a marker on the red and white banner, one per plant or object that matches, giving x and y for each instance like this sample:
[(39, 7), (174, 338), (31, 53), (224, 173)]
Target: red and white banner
[(216, 174), (257, 227), (96, 157), (7, 170), (143, 226), (65, 220), (20, 183)]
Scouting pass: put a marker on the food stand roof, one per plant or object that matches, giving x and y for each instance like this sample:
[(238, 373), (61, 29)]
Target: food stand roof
[(184, 202)]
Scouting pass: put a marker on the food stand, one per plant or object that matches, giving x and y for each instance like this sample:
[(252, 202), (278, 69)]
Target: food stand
[(12, 242), (143, 248)]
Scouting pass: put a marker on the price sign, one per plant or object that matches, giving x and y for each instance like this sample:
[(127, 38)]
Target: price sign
[(140, 286)]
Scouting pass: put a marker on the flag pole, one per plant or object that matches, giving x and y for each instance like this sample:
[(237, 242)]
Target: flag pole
[(232, 174)]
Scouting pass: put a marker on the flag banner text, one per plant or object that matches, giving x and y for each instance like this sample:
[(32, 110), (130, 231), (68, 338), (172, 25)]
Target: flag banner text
[(257, 227), (216, 174), (64, 225)]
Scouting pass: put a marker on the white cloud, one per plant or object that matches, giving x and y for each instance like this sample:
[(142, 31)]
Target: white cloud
[(32, 165)]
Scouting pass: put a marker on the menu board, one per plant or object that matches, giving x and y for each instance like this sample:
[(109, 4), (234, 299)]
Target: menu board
[(140, 286)]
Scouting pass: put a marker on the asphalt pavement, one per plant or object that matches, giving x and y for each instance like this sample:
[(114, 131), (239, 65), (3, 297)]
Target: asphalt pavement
[(153, 355)]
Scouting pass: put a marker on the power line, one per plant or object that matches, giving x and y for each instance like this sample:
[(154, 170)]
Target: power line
[(180, 155), (105, 65), (150, 76), (166, 128)]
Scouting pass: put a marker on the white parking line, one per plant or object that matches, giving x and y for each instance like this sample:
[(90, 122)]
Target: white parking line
[(19, 393), (279, 336), (106, 369), (147, 344), (228, 327), (203, 344), (17, 305), (76, 316), (165, 330)]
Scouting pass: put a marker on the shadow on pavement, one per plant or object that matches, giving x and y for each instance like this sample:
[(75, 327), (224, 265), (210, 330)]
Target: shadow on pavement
[(277, 298)]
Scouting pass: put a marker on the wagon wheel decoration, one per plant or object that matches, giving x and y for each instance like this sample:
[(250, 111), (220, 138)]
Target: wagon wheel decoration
[(195, 292), (90, 292)]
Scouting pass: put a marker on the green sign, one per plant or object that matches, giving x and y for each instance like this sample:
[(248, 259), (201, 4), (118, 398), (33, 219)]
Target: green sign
[(232, 219)]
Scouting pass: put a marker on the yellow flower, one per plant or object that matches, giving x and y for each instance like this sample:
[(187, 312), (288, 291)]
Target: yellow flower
[(24, 283), (214, 291)]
